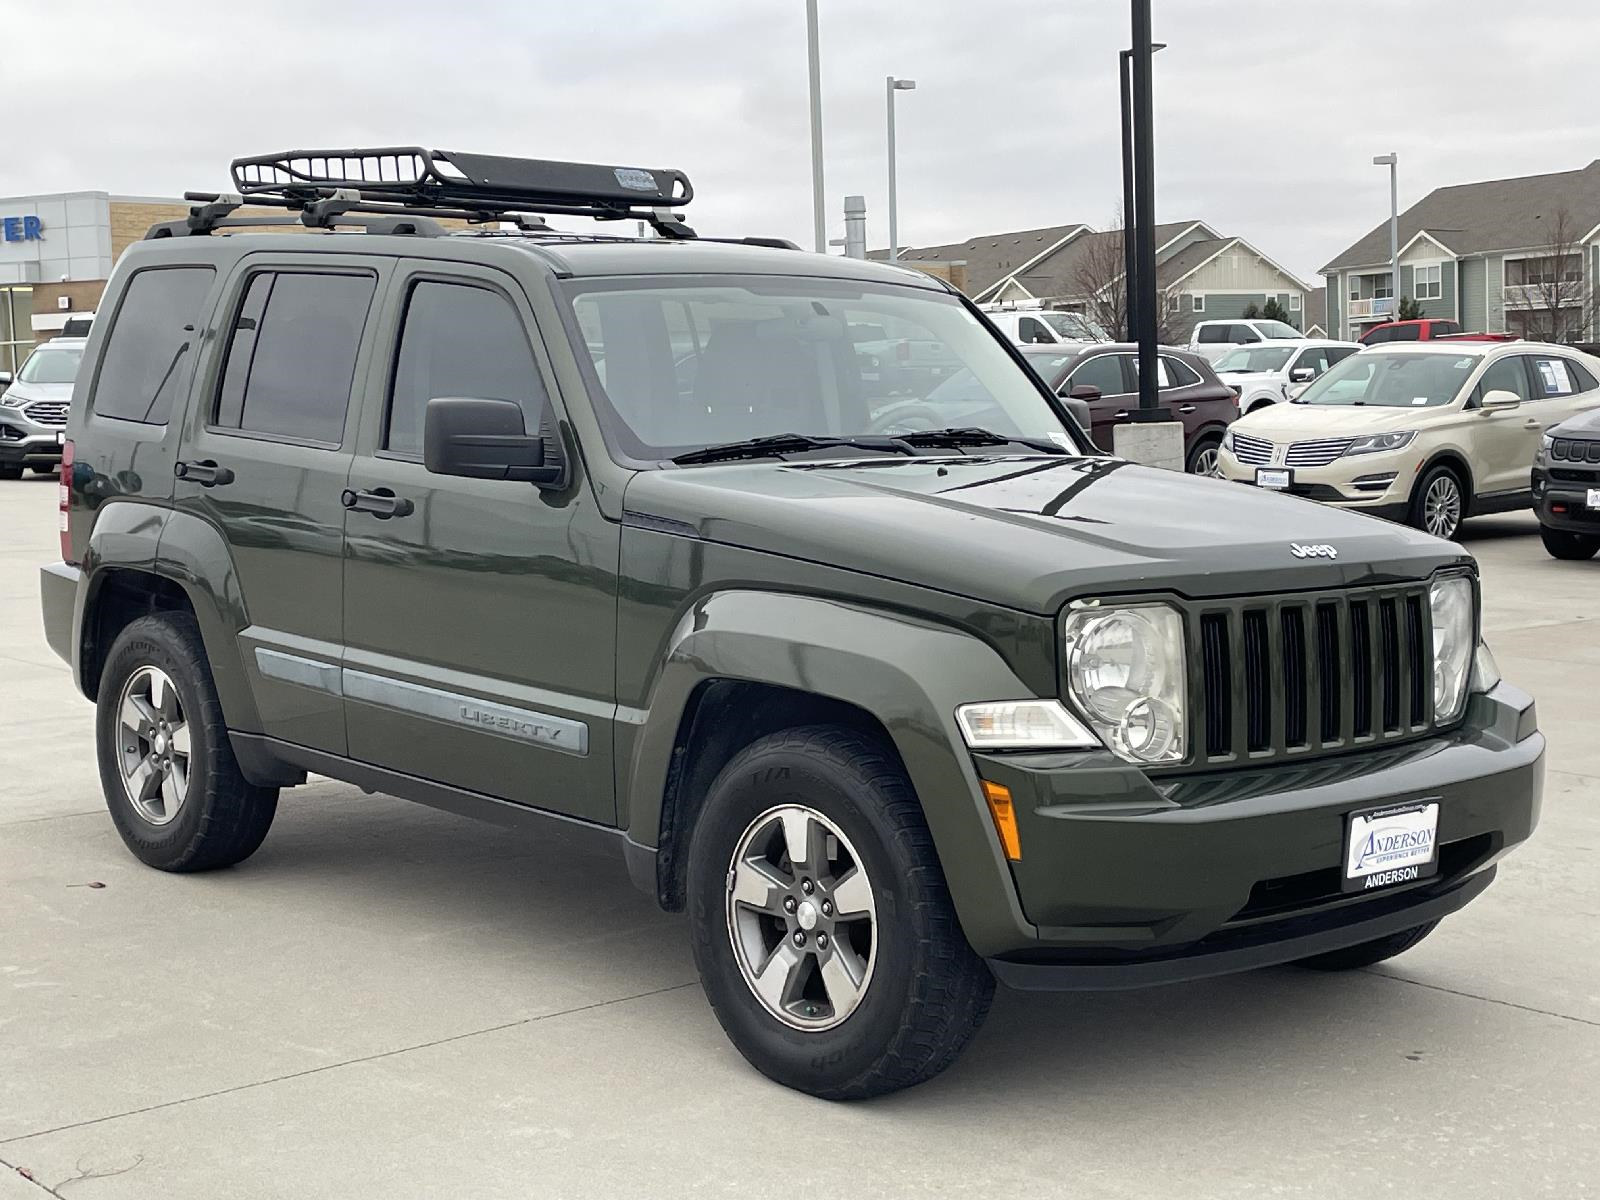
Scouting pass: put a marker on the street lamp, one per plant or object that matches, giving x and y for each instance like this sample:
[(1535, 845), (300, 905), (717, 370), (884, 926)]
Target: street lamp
[(1392, 161), (814, 79), (891, 85), (1126, 57)]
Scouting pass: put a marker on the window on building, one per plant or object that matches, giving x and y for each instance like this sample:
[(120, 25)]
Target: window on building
[(1383, 288), (1541, 323), (1426, 283), (1544, 271), (1294, 301), (461, 340), (16, 326), (150, 355), (292, 355), (1197, 302)]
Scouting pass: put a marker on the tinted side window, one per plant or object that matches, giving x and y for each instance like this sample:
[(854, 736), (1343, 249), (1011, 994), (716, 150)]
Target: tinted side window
[(1178, 373), (1032, 330), (1338, 354), (1405, 333), (151, 346), (1243, 334), (292, 355), (1586, 381), (1103, 371), (460, 340), (1443, 327), (1213, 334), (1507, 375)]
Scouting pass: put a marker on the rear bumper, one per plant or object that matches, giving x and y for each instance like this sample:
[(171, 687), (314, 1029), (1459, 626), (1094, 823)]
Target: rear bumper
[(58, 606), (1129, 881)]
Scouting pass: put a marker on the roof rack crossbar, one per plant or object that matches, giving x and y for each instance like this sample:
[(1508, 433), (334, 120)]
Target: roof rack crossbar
[(414, 179)]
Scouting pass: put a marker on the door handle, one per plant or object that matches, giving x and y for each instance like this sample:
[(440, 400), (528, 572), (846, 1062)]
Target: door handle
[(1530, 423), (205, 472), (380, 502), (1186, 408), (1121, 416)]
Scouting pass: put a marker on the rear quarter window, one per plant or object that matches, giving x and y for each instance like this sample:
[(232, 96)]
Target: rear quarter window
[(150, 352)]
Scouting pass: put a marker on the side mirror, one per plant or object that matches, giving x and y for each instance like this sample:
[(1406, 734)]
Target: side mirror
[(5, 379), (1085, 391), (1302, 374), (484, 439), (1500, 400)]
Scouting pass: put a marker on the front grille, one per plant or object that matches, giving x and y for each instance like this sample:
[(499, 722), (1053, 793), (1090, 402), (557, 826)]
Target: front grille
[(1316, 454), (1302, 674), (1575, 450), (1251, 451), (47, 412), (1575, 474)]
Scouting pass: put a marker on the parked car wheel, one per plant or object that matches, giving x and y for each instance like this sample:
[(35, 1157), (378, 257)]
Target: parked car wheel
[(1366, 954), (1203, 457), (1571, 546), (1438, 504), (46, 468), (822, 927), (10, 472), (170, 779)]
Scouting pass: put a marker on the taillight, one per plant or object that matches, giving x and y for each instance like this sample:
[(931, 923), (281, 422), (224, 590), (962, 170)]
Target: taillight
[(64, 498)]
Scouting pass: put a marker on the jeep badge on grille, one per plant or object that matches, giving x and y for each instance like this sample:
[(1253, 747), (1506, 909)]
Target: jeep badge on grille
[(1321, 550)]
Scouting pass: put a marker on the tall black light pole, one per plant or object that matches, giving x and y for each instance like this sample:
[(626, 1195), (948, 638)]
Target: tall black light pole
[(1144, 213), (1125, 78)]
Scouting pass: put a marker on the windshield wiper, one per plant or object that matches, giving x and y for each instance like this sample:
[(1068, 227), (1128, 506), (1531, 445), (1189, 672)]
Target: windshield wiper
[(971, 435), (789, 443)]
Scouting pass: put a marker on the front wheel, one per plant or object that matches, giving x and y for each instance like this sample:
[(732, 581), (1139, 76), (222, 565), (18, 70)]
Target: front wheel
[(1574, 547), (1439, 504), (1203, 458), (1366, 954), (822, 927)]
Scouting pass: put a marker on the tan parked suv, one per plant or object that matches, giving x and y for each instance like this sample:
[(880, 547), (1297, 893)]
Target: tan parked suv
[(1427, 432)]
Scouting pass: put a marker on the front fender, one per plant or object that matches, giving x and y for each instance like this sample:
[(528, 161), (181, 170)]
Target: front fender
[(909, 673)]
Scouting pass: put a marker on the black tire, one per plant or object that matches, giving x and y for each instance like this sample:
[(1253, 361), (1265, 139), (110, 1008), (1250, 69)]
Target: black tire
[(223, 817), (46, 468), (927, 993), (10, 471), (1573, 547), (1418, 515), (1366, 954), (1202, 447)]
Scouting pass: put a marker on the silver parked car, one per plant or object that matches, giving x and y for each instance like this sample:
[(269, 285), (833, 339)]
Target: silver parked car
[(33, 410)]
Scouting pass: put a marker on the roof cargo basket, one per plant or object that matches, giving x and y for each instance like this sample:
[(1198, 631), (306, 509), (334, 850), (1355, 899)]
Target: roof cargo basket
[(325, 186)]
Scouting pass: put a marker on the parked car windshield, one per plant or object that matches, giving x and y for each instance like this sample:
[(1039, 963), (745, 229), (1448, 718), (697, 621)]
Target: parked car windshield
[(688, 362), (51, 364), (1277, 330), (1402, 380), (1253, 358)]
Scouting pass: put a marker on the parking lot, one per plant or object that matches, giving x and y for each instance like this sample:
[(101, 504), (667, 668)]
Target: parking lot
[(389, 1001)]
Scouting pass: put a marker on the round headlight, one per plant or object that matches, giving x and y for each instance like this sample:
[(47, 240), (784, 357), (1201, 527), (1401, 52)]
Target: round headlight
[(1148, 730), (1117, 660)]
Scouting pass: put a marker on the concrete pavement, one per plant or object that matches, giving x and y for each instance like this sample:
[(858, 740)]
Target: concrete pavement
[(391, 1002)]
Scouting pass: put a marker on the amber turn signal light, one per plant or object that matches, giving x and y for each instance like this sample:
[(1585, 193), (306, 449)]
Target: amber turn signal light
[(1004, 814)]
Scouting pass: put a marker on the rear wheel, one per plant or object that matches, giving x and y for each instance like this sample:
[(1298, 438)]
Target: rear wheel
[(1203, 457), (170, 779), (1366, 954), (10, 471), (46, 468), (822, 927), (1439, 503), (1571, 546)]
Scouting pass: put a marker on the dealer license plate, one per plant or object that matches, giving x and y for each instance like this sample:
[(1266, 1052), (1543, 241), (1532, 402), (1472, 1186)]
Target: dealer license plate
[(1594, 497), (1276, 478), (61, 438), (1389, 846)]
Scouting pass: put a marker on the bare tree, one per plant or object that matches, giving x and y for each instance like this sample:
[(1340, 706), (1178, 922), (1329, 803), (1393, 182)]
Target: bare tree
[(1547, 299), (1101, 283)]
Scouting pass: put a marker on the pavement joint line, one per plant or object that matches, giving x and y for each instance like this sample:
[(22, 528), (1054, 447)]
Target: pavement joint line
[(88, 812), (350, 1062), (16, 1170), (1528, 1008)]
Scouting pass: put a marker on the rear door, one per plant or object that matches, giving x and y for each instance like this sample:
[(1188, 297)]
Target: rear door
[(265, 461), (1204, 406), (481, 617)]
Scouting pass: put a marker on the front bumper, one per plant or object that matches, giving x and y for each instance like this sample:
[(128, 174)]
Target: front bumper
[(1564, 503), (1379, 484), (25, 442), (1130, 880)]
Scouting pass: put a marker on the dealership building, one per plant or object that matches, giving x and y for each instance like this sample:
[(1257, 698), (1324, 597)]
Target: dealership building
[(55, 253)]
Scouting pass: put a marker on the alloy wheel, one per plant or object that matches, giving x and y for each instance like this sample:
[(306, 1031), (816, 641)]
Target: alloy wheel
[(801, 917), (1205, 463), (1442, 506), (153, 745)]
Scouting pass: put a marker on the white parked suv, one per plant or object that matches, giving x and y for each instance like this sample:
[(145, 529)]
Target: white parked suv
[(1213, 339), (1424, 432), (1046, 327), (1268, 372)]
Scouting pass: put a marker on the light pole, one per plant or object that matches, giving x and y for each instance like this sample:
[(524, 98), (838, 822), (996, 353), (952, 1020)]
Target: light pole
[(1126, 59), (891, 85), (1144, 212), (814, 64), (1392, 161)]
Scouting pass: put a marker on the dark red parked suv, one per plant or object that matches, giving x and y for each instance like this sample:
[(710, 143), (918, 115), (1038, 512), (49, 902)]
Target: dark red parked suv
[(1106, 378)]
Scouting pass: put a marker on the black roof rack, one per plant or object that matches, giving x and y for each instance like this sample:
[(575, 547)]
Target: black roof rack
[(404, 186)]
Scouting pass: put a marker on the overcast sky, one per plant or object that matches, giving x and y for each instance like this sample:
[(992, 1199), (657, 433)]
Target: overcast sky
[(1268, 111)]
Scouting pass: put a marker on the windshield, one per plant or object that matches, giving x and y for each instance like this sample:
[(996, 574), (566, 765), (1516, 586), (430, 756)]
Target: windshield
[(1249, 358), (1278, 331), (1070, 325), (1393, 380), (51, 365), (684, 363)]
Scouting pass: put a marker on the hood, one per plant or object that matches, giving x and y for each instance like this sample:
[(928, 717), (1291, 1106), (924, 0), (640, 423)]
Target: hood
[(1298, 422), (22, 393), (1032, 533), (1584, 425)]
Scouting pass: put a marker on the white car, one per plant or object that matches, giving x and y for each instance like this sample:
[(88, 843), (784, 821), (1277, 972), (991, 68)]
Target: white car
[(1046, 327), (1267, 372), (1212, 339), (1423, 432)]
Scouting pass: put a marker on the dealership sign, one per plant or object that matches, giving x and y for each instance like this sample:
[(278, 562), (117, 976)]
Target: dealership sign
[(22, 229)]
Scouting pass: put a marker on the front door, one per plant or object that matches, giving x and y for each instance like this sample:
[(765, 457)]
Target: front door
[(480, 618), (1505, 440), (265, 462)]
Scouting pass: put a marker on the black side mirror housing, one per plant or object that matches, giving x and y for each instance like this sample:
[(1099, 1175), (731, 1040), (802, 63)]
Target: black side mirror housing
[(485, 439), (1085, 391)]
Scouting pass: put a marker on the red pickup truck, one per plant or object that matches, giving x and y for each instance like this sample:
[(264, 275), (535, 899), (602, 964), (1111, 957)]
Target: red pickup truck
[(1428, 329)]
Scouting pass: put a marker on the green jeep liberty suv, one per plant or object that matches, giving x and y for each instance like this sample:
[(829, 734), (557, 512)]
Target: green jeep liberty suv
[(898, 688)]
